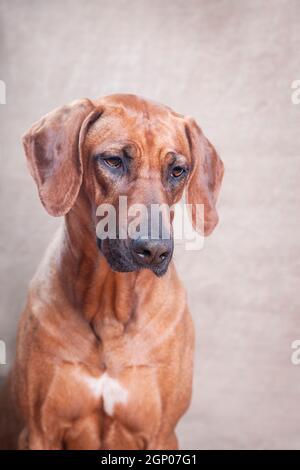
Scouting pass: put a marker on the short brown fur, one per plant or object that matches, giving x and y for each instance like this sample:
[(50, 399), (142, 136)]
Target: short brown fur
[(83, 319)]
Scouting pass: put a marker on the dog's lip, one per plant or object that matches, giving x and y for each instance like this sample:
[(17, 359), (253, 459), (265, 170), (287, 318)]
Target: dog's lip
[(154, 267), (138, 268)]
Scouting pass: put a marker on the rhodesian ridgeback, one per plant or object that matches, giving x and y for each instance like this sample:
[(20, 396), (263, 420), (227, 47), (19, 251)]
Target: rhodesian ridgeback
[(105, 345)]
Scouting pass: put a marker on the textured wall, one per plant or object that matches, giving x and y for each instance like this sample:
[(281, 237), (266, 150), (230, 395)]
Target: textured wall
[(230, 64)]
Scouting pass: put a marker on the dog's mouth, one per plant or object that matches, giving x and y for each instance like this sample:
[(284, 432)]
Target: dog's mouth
[(124, 258)]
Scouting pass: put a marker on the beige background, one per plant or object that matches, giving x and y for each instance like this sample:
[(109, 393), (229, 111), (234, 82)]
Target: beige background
[(230, 64)]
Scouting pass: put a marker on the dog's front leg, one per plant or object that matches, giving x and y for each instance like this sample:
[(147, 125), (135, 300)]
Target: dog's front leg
[(169, 442), (84, 434), (31, 439)]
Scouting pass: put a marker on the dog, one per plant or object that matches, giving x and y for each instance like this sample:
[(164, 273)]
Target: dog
[(105, 345)]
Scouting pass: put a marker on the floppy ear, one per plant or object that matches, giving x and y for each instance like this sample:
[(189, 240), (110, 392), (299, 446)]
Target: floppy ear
[(205, 179), (53, 151)]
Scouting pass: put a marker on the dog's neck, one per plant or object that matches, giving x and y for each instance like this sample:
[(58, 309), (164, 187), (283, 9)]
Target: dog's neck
[(99, 293), (75, 277)]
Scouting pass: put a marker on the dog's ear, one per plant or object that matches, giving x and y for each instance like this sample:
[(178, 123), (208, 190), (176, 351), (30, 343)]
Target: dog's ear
[(53, 151), (205, 178)]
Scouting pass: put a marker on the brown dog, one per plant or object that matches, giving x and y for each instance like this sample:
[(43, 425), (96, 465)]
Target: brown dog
[(105, 347)]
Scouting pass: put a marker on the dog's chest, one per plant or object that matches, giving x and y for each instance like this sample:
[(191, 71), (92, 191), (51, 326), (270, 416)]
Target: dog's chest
[(129, 400), (126, 384), (107, 390)]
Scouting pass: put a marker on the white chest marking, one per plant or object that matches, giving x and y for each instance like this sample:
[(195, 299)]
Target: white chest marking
[(109, 389)]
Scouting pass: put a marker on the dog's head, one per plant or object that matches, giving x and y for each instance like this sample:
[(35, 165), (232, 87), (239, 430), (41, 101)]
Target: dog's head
[(124, 145)]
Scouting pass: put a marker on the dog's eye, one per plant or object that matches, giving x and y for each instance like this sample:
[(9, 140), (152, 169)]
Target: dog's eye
[(178, 171), (113, 162)]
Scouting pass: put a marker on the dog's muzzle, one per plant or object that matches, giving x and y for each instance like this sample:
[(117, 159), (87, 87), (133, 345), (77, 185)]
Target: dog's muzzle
[(134, 255)]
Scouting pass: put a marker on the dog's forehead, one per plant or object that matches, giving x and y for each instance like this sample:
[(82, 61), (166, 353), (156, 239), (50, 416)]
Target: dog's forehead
[(135, 105), (130, 118)]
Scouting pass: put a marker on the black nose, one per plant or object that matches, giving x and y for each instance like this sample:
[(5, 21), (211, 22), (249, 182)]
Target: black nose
[(152, 252)]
